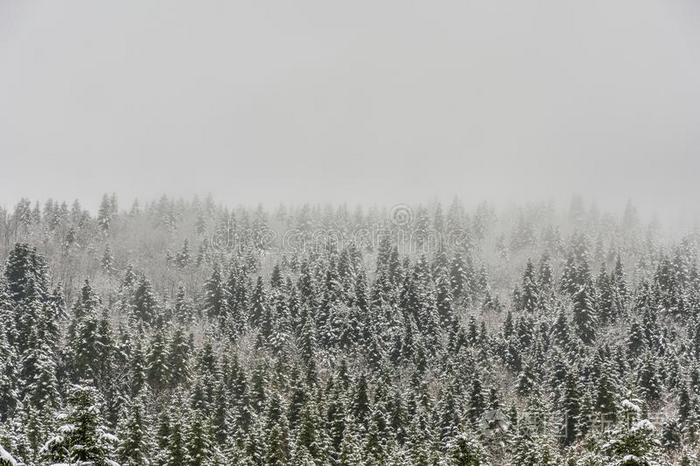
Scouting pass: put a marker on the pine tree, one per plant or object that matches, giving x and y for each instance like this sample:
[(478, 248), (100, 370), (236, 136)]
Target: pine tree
[(145, 303), (198, 440), (83, 336), (9, 383), (277, 440), (460, 276), (606, 395), (107, 260), (465, 450), (183, 311), (308, 437), (83, 439), (545, 276), (526, 380), (571, 408), (135, 447), (178, 358), (106, 214), (258, 303), (360, 406), (477, 404), (619, 284), (585, 318), (176, 450), (350, 450), (137, 368), (220, 419), (184, 257), (157, 370), (636, 341), (530, 291), (43, 388), (215, 295), (649, 381), (168, 433), (444, 301), (569, 283), (634, 441)]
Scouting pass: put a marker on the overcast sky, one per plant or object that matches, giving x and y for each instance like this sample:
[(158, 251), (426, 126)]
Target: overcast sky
[(360, 101)]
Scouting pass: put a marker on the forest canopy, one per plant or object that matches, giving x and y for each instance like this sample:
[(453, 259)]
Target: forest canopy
[(185, 332)]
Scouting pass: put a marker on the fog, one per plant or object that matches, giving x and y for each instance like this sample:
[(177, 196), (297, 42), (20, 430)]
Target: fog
[(362, 101)]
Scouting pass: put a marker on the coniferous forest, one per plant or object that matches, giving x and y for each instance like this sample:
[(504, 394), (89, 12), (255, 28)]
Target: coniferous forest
[(188, 333)]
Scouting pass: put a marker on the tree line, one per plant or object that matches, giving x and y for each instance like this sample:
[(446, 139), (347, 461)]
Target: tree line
[(189, 333)]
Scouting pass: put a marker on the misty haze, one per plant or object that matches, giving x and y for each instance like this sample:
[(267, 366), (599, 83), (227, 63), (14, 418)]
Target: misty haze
[(349, 233)]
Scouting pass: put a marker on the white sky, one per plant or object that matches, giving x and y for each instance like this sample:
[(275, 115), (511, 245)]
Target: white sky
[(357, 101)]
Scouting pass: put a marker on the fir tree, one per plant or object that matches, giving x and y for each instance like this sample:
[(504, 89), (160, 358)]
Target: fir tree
[(216, 295), (585, 317), (145, 303), (83, 437), (135, 447), (530, 291)]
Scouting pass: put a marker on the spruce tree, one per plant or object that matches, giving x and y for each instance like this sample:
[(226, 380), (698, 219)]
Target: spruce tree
[(585, 318), (200, 448), (135, 446), (145, 302), (530, 295), (83, 438)]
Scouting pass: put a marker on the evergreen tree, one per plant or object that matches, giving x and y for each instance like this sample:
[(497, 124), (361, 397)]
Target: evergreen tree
[(648, 380), (585, 317), (530, 291), (465, 450), (145, 303), (83, 439), (571, 409), (84, 336), (215, 295), (633, 442), (157, 370), (198, 441), (135, 447), (183, 311), (178, 358)]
